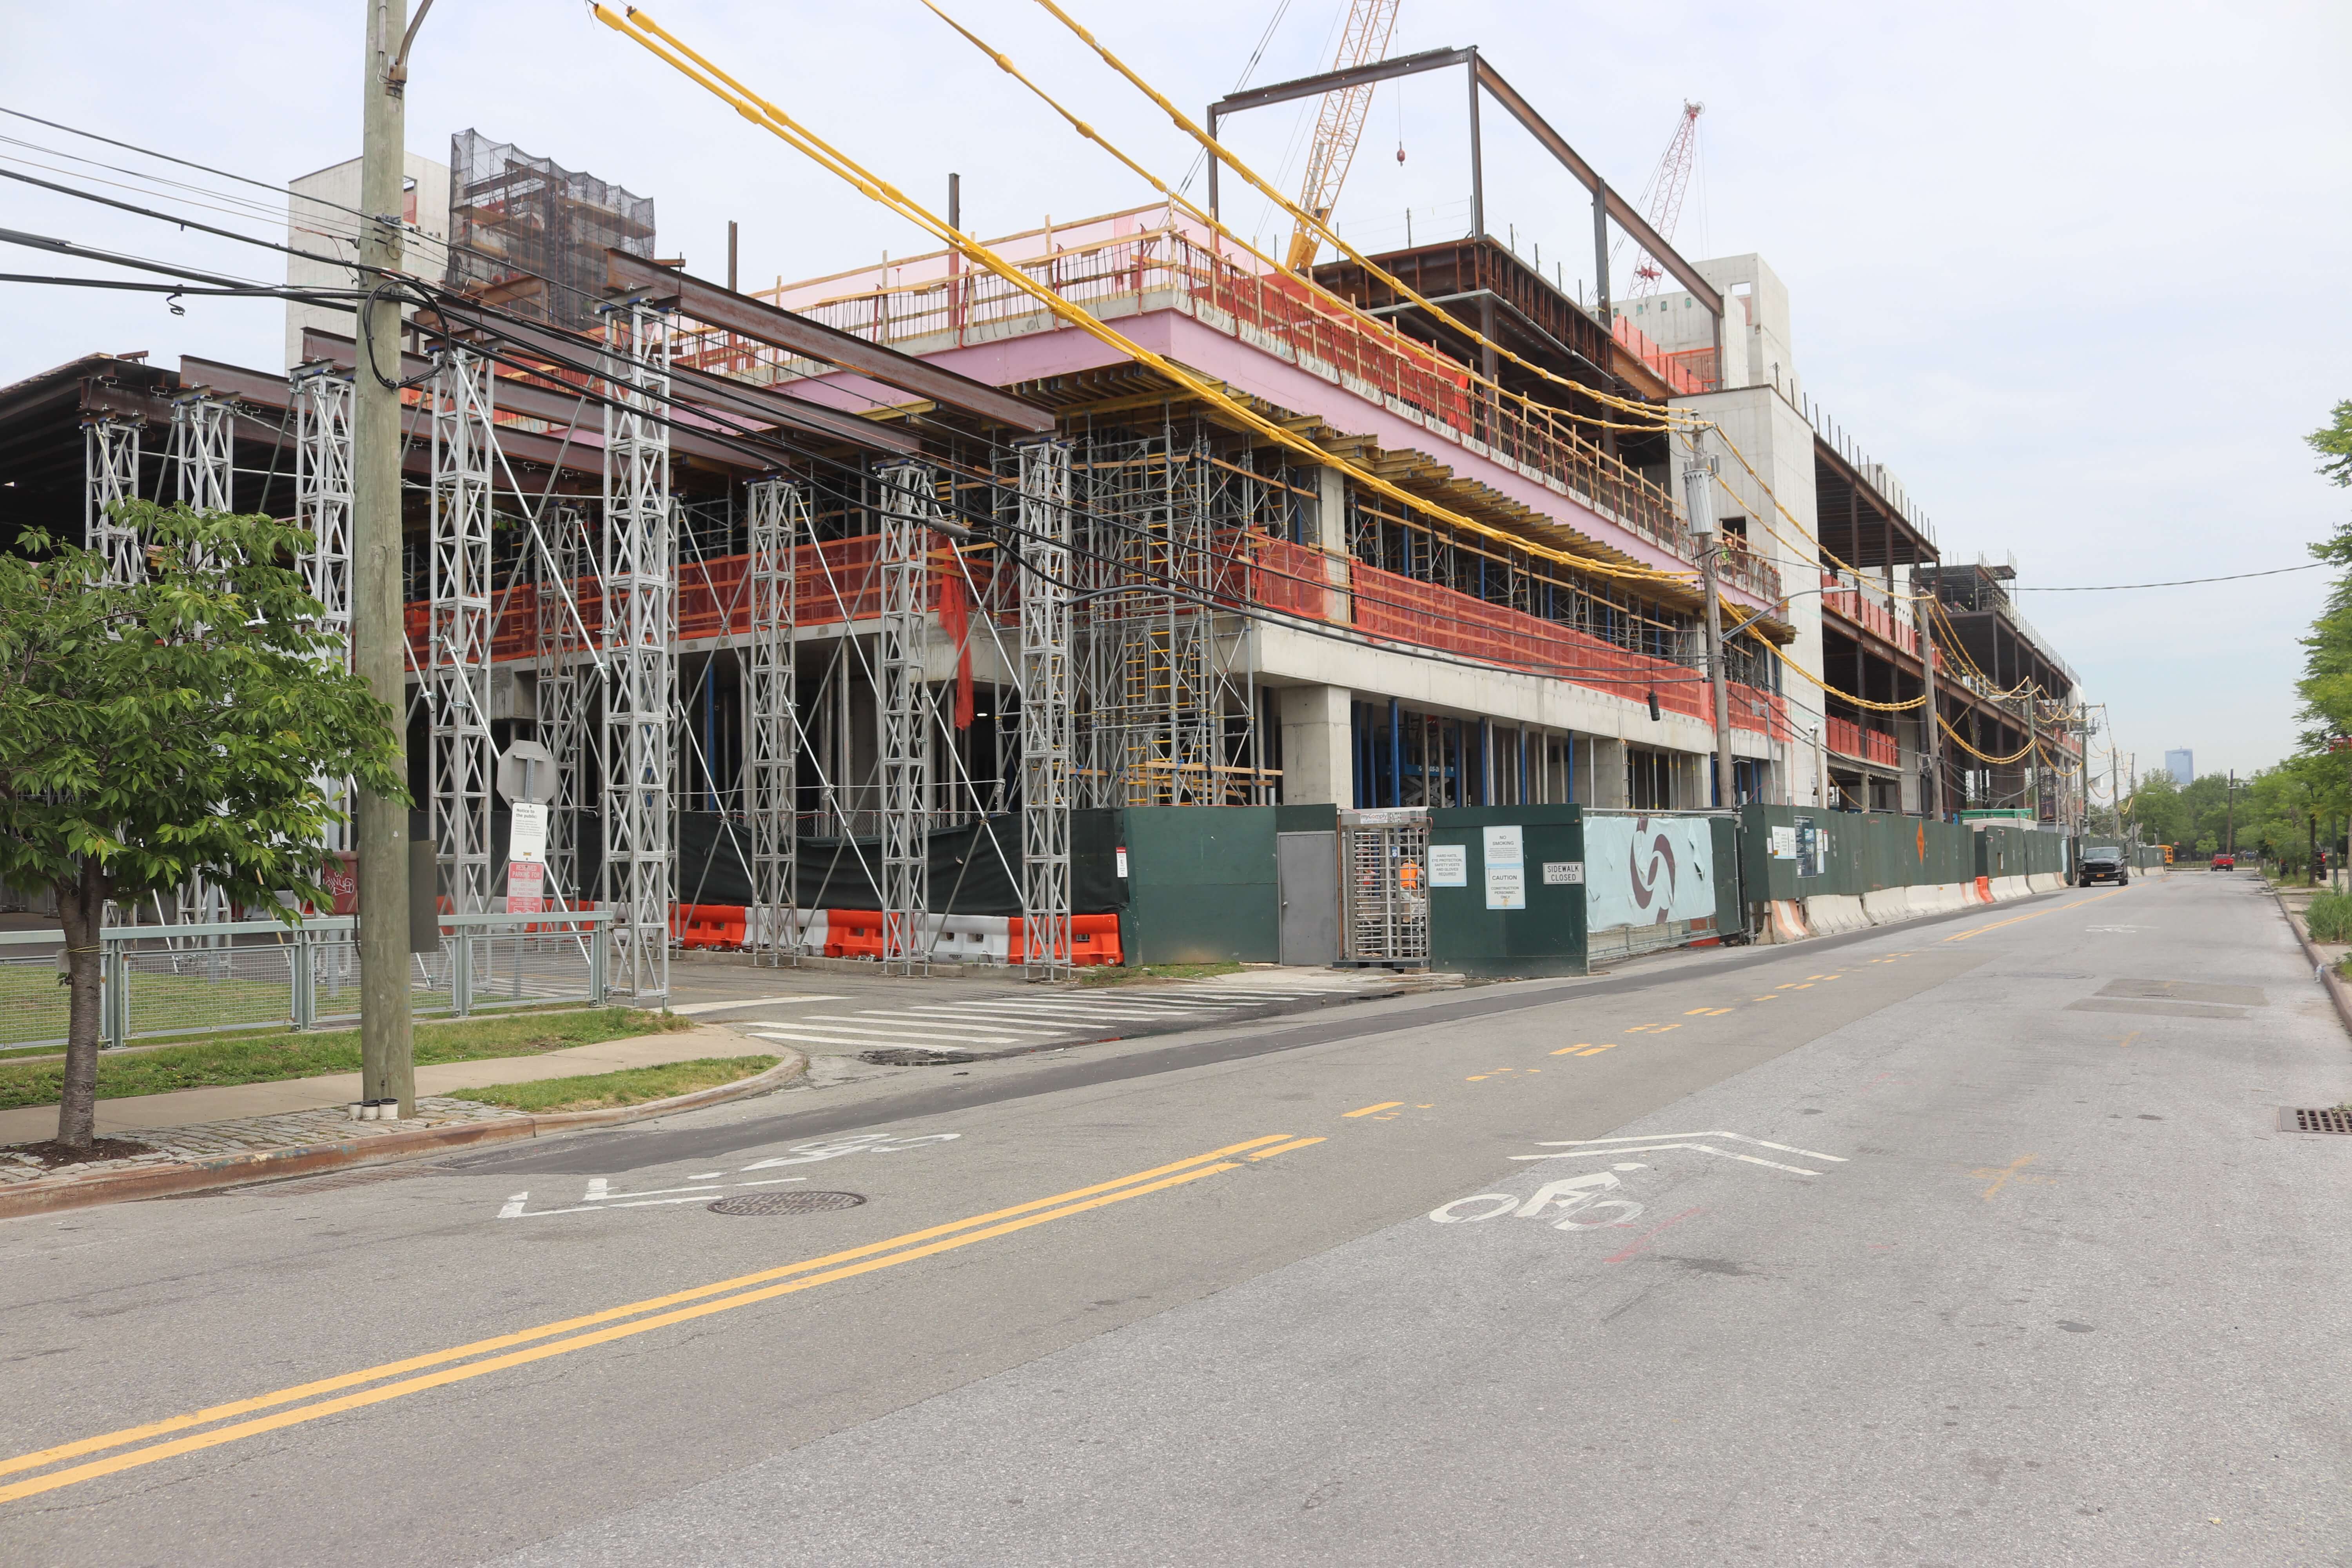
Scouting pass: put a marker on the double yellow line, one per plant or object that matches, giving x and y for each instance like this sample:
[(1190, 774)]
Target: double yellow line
[(2037, 914), (457, 1364)]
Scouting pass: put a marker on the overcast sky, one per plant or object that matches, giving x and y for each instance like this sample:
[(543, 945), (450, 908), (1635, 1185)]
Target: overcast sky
[(2077, 272)]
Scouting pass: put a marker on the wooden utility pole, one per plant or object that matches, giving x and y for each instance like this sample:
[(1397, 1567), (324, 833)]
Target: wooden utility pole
[(387, 1064), (1931, 803)]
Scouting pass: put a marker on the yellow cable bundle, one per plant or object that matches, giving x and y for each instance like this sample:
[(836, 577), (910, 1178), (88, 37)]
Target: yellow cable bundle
[(639, 26)]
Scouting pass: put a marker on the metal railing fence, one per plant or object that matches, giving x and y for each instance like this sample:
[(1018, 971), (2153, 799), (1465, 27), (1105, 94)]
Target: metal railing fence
[(202, 978)]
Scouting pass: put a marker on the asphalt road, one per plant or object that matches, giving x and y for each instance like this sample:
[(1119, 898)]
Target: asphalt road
[(1963, 1242)]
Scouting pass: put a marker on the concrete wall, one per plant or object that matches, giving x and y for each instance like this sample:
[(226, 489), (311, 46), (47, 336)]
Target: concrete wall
[(324, 224)]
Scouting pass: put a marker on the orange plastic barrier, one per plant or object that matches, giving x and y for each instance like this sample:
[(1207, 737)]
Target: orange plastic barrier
[(1094, 940), (852, 933), (707, 926)]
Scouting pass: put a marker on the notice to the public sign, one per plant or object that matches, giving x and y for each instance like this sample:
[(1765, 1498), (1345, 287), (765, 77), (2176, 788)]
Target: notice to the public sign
[(1507, 870), (527, 840), (1449, 865), (1784, 843)]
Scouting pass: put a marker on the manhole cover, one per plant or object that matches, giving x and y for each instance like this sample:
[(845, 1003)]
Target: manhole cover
[(914, 1056), (2294, 1118), (786, 1202)]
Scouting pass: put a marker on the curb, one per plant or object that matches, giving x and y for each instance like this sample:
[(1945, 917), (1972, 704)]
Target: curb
[(52, 1195), (2337, 992)]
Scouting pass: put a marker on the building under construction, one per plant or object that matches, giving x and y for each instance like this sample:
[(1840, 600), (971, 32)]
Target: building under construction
[(859, 596)]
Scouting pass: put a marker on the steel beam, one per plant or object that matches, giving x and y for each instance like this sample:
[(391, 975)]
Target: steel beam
[(763, 323), (903, 752), (779, 520), (1047, 736), (457, 659)]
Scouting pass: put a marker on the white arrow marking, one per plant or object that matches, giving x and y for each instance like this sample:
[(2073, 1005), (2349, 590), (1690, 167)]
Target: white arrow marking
[(514, 1207), (1651, 1148), (1735, 1137)]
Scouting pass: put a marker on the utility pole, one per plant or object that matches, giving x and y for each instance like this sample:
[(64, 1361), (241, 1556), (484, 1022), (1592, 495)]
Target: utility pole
[(1931, 800), (387, 1064), (2033, 750), (1698, 500), (2230, 815)]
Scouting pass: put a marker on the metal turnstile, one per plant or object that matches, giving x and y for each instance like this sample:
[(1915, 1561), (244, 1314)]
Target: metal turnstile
[(1384, 888)]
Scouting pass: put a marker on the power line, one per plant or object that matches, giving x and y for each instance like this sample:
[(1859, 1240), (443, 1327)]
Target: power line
[(2175, 583)]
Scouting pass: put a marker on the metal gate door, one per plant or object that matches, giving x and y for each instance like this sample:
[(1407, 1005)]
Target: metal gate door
[(1384, 871), (1307, 866)]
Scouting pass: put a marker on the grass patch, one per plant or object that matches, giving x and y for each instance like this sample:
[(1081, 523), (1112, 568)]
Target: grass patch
[(2329, 917), (1122, 974), (630, 1086), (266, 1058)]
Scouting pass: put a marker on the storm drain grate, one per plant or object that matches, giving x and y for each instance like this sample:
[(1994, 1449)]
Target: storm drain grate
[(786, 1202), (2297, 1118), (914, 1056)]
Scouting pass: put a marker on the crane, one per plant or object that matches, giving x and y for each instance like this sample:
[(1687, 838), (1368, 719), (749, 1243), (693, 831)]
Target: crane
[(1340, 123), (1662, 199)]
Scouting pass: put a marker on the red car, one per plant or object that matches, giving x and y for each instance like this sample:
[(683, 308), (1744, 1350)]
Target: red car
[(2225, 861)]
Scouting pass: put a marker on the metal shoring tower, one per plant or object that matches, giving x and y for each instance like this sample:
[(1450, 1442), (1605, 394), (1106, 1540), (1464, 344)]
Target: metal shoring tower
[(322, 504), (457, 669), (560, 690), (199, 458), (639, 619), (903, 754), (779, 520), (110, 458), (199, 455), (1045, 708)]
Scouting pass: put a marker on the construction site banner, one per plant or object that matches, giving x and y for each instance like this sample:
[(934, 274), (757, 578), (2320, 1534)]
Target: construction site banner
[(1648, 869)]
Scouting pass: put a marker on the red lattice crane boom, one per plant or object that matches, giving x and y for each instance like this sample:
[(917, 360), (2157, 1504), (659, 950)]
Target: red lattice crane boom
[(1662, 200), (1340, 123)]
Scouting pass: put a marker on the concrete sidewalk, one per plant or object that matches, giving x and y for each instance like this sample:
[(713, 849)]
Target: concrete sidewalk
[(187, 1107)]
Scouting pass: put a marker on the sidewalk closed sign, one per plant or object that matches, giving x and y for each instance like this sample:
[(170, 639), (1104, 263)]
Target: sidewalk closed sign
[(1507, 870)]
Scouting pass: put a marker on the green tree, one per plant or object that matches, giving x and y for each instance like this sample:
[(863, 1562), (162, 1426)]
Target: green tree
[(174, 728), (2332, 442)]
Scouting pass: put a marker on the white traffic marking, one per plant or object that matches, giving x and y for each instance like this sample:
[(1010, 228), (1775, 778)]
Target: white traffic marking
[(1028, 1029), (1569, 1198), (696, 1009), (863, 1042), (1574, 1148), (858, 1143), (600, 1198), (843, 1023)]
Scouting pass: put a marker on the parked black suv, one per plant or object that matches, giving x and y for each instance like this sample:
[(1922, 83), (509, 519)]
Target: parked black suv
[(2105, 864)]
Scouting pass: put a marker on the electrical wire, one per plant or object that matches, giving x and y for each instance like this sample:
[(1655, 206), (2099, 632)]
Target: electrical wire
[(641, 28), (2175, 583)]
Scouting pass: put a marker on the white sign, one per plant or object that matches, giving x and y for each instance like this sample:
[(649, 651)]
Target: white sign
[(1449, 865), (1559, 872), (1784, 843), (527, 840), (1121, 853), (1507, 869)]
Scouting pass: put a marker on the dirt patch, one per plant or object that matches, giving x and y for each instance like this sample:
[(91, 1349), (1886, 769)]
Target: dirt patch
[(54, 1155)]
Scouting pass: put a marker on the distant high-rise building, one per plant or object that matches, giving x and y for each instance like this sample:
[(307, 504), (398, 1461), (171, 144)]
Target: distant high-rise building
[(2182, 766)]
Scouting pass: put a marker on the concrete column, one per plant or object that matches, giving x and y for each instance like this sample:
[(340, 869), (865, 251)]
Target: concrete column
[(1317, 759), (1331, 538), (1608, 774)]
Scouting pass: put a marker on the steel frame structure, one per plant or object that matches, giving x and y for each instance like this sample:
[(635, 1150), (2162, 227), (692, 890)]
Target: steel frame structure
[(322, 401), (458, 659), (199, 455), (901, 710), (558, 690), (1046, 737), (778, 523), (640, 616), (110, 450)]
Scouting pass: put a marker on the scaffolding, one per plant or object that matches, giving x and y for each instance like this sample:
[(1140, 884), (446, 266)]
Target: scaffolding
[(202, 474), (457, 661), (640, 615), (1044, 544), (779, 520), (1165, 692), (531, 235)]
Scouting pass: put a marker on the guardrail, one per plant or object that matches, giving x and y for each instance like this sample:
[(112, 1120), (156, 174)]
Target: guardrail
[(165, 980)]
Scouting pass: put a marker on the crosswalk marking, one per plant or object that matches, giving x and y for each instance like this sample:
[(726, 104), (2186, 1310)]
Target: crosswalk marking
[(887, 1028), (872, 1043)]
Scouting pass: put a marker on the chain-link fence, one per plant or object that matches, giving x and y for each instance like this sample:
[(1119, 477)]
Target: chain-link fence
[(194, 979)]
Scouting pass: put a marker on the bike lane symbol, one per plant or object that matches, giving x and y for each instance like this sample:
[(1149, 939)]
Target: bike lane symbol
[(1572, 1199)]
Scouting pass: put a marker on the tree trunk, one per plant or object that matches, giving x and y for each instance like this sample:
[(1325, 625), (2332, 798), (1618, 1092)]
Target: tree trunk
[(81, 905)]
